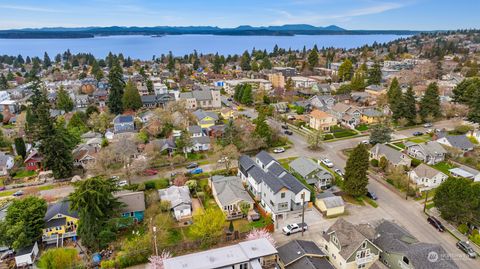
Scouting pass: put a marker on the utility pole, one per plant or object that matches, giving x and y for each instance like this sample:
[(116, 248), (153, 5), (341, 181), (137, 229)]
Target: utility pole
[(155, 239), (425, 204), (303, 212), (408, 187)]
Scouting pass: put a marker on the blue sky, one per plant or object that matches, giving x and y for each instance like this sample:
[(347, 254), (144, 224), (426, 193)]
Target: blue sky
[(350, 14)]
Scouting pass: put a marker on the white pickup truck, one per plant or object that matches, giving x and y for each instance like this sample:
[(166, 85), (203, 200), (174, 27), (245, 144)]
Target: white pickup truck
[(294, 228)]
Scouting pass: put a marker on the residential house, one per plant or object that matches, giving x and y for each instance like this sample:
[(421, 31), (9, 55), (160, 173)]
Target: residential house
[(279, 192), (303, 82), (371, 116), (330, 204), (180, 202), (163, 144), (400, 250), (347, 115), (201, 143), (313, 173), (320, 120), (123, 124), (426, 176), (195, 131), (465, 172), (230, 195), (6, 163), (60, 223), (429, 152), (322, 102), (85, 154), (27, 256), (258, 253), (134, 204), (459, 142), (228, 113), (33, 161), (202, 99), (82, 100), (375, 90), (350, 246), (394, 157), (205, 119), (302, 254)]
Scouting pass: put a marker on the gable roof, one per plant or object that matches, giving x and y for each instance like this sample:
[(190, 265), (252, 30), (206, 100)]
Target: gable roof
[(61, 207), (134, 201), (318, 114), (392, 155), (424, 170), (264, 157), (459, 141), (302, 254), (430, 147), (304, 166), (123, 119), (176, 195), (201, 114), (230, 190), (349, 237)]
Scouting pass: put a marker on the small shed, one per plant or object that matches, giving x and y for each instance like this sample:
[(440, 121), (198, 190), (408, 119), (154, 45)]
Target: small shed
[(26, 256), (330, 204)]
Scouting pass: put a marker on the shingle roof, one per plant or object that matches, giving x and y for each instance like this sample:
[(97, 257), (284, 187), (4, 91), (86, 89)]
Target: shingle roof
[(304, 166), (123, 119), (176, 196), (334, 201), (134, 201), (459, 141), (201, 114), (55, 222), (311, 263), (245, 162), (62, 207), (424, 170), (391, 154), (296, 249), (230, 190), (430, 147), (348, 236), (264, 157), (194, 129)]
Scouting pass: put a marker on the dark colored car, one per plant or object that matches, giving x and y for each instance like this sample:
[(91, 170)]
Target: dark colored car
[(2, 188), (192, 165), (436, 223), (465, 247), (417, 133), (288, 132), (284, 126), (372, 195)]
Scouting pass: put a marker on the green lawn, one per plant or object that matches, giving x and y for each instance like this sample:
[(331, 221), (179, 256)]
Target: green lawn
[(444, 167), (362, 127), (6, 193), (400, 145), (23, 173), (431, 194), (1, 182), (420, 139)]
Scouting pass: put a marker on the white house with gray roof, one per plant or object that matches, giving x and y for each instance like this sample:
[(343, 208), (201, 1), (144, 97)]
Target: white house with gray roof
[(460, 142), (203, 98), (230, 195), (427, 177), (430, 152), (180, 201), (312, 172), (394, 157), (279, 191), (253, 254)]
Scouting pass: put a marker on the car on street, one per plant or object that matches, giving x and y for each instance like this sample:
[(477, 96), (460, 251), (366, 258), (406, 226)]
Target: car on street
[(327, 162), (150, 172), (284, 126), (223, 160), (465, 247), (365, 142), (436, 223), (372, 195), (278, 150), (2, 188), (339, 172), (417, 133), (427, 125), (18, 193), (122, 183), (288, 132), (192, 165), (294, 228), (195, 171), (291, 117)]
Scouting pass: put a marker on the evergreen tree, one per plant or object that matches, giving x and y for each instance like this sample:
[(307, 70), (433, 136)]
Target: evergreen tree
[(262, 129), (380, 134), (150, 88), (171, 63), (247, 98), (409, 106), (313, 58), (430, 102), (375, 75), (394, 97), (116, 89), (3, 82), (131, 98), (64, 102), (356, 179), (266, 64), (245, 62), (78, 121), (358, 81), (474, 113), (46, 61), (20, 147), (345, 71), (97, 71), (217, 64)]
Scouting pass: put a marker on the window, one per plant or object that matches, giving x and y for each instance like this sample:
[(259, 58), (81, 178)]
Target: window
[(132, 214), (364, 245), (282, 195), (405, 260), (244, 266), (361, 266)]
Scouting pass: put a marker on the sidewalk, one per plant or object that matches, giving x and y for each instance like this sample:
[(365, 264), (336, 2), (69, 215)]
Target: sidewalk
[(452, 229)]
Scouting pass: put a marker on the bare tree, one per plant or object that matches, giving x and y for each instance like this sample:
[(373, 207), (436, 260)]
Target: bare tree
[(226, 155)]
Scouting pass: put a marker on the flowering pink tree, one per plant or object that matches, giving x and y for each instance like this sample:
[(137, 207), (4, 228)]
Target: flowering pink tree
[(261, 233), (156, 262)]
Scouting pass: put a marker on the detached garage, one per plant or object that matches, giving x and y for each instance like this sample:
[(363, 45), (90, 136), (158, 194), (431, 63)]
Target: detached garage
[(26, 256), (330, 204)]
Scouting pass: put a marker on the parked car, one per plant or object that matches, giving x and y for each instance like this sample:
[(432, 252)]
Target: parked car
[(365, 142), (174, 174), (417, 133), (150, 172), (195, 171), (427, 125), (327, 162), (294, 228), (291, 117), (278, 150), (122, 183), (288, 132), (7, 255), (465, 247), (2, 188), (372, 195), (18, 193), (436, 223), (192, 165), (223, 160), (284, 126), (339, 172)]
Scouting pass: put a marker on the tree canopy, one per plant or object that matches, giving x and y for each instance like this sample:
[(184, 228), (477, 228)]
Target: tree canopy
[(356, 179), (131, 98)]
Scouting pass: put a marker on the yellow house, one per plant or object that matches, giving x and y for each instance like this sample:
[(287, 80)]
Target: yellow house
[(60, 221), (228, 113), (370, 116), (205, 119), (330, 204), (320, 120)]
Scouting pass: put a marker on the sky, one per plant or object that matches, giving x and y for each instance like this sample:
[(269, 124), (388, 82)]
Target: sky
[(349, 14)]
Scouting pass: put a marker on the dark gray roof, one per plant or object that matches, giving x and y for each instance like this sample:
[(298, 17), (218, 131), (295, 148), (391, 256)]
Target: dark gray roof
[(194, 129), (123, 119), (25, 250), (276, 169), (229, 190), (201, 140), (62, 207), (292, 183), (311, 263), (149, 98), (245, 162), (264, 157), (257, 173), (55, 222), (348, 235), (459, 141), (296, 249)]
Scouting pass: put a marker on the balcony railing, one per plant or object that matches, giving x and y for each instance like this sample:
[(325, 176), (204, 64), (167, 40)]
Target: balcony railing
[(54, 237), (365, 259)]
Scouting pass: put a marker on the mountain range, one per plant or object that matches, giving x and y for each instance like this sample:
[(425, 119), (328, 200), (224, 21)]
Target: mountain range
[(284, 30)]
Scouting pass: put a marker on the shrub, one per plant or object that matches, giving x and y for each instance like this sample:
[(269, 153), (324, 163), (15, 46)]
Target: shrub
[(463, 228), (416, 162), (328, 137), (108, 264), (374, 162), (149, 185)]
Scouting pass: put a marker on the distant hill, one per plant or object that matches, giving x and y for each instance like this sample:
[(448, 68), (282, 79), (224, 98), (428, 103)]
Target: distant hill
[(283, 30)]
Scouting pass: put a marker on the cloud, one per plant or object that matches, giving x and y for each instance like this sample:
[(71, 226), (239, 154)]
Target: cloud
[(315, 18), (30, 8)]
